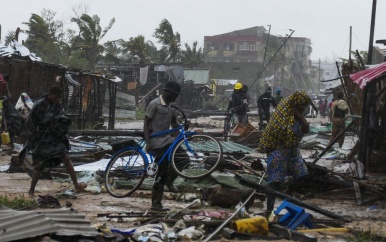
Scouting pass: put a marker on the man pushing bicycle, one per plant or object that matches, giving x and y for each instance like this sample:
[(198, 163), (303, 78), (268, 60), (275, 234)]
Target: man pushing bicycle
[(159, 116)]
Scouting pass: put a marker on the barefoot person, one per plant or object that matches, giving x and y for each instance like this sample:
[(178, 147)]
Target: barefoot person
[(47, 128)]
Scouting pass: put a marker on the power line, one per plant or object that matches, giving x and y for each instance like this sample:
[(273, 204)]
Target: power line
[(264, 67), (293, 78), (297, 66)]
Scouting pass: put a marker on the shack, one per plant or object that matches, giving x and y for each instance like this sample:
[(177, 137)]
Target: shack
[(84, 92)]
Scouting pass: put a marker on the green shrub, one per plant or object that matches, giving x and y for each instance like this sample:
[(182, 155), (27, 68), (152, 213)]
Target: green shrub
[(17, 202), (140, 114)]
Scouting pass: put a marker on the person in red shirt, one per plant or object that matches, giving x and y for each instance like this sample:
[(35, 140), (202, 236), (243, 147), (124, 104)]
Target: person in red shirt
[(329, 110), (322, 108)]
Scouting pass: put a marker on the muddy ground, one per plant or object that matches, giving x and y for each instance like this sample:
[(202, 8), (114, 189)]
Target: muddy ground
[(366, 218)]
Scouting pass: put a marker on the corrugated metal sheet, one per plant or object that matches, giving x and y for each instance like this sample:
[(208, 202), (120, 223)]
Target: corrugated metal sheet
[(231, 147), (198, 76), (16, 225), (227, 146)]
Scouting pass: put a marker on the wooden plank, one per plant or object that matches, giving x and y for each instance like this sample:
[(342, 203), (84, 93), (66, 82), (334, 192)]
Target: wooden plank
[(292, 199), (373, 188), (291, 234)]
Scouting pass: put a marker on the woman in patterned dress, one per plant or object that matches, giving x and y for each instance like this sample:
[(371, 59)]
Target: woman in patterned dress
[(280, 141)]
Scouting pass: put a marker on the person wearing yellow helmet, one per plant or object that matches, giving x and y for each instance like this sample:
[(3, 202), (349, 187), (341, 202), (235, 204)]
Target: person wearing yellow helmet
[(238, 86), (239, 104)]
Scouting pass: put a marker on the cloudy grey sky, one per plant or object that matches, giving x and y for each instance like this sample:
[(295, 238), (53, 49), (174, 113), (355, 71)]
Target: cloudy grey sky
[(325, 22)]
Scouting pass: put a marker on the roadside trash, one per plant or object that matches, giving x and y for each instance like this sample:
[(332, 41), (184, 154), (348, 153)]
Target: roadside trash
[(188, 197), (272, 217), (373, 207), (257, 225), (69, 193), (48, 201), (315, 154), (196, 204), (192, 233), (294, 217), (5, 138), (150, 232), (243, 212)]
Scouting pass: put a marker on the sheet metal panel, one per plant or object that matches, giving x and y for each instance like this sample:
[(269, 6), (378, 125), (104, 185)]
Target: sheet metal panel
[(16, 225), (199, 77)]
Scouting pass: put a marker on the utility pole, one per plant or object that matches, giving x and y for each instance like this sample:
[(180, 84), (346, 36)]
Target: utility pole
[(266, 44), (319, 76), (372, 27), (264, 67), (265, 53), (349, 50)]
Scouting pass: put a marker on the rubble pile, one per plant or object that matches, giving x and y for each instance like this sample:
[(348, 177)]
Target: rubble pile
[(230, 202)]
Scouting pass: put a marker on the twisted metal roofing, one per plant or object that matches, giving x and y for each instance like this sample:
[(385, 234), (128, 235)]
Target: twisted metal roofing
[(16, 225)]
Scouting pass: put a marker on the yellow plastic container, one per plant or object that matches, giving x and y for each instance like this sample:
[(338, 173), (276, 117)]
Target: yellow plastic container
[(5, 138), (256, 225)]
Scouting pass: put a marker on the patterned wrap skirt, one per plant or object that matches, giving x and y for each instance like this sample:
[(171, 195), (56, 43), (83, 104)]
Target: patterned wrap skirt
[(282, 163)]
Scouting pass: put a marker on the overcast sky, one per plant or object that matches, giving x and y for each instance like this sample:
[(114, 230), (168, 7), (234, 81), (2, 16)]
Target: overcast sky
[(326, 22)]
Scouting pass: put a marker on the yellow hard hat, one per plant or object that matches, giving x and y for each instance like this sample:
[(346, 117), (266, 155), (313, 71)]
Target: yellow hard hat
[(238, 86)]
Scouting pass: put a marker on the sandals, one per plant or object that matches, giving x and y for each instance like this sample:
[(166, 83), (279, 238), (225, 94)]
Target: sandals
[(81, 187)]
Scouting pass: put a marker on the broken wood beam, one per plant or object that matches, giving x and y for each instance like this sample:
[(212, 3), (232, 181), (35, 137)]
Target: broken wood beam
[(360, 182), (208, 224), (334, 141), (122, 132), (292, 199), (106, 132), (231, 234)]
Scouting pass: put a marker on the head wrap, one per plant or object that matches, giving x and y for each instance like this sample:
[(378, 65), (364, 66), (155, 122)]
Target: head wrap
[(279, 132)]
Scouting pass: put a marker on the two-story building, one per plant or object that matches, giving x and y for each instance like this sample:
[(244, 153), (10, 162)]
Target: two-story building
[(289, 70)]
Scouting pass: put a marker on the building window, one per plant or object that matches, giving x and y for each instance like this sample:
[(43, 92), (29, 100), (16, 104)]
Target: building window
[(247, 47), (212, 47)]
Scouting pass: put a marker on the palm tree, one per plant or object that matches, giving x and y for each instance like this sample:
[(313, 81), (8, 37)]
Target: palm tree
[(191, 56), (113, 52), (9, 38), (43, 37), (170, 40), (163, 55), (138, 47), (91, 34)]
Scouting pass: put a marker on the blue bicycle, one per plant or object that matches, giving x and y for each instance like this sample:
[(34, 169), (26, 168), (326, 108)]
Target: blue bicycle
[(192, 156)]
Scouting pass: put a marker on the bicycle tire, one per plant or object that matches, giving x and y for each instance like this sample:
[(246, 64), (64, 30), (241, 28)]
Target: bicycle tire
[(208, 154), (125, 172)]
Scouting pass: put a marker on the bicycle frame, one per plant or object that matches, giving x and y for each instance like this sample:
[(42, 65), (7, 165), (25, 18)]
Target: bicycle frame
[(182, 135), (133, 164)]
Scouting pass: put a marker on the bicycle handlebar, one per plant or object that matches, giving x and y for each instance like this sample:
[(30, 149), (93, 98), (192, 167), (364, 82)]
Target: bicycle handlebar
[(186, 121)]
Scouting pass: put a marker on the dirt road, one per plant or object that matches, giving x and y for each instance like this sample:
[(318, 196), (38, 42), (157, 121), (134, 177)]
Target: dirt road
[(367, 217)]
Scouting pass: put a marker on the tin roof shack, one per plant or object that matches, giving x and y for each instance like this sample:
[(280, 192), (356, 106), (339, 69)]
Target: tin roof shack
[(197, 94), (141, 81), (85, 106), (366, 95), (33, 78), (83, 92)]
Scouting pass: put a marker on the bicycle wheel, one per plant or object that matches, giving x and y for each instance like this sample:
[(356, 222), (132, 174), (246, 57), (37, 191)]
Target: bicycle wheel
[(197, 156), (125, 172)]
